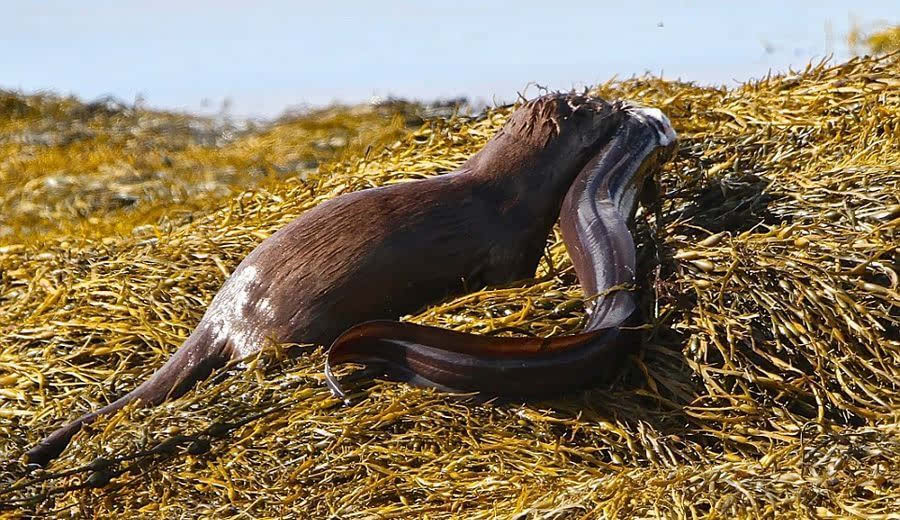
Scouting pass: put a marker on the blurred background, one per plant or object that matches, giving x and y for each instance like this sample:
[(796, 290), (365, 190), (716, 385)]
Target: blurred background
[(218, 57)]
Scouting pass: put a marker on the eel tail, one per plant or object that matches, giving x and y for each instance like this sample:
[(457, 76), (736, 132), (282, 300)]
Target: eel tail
[(515, 367)]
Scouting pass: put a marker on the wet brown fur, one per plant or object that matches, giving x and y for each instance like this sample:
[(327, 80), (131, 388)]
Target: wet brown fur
[(385, 252)]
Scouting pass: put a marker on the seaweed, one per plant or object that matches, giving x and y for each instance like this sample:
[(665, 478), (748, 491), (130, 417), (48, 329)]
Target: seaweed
[(768, 385)]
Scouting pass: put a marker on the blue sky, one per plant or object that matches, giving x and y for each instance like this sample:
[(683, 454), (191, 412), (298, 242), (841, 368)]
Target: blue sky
[(279, 53)]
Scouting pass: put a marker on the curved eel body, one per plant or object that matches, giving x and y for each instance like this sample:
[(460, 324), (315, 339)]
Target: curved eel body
[(381, 253), (594, 222)]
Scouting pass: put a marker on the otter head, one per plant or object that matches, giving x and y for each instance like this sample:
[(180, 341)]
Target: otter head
[(544, 145), (563, 124)]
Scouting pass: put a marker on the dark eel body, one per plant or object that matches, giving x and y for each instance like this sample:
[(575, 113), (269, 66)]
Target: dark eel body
[(381, 253)]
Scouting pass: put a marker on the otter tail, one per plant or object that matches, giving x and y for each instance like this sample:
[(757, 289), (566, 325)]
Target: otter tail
[(192, 362)]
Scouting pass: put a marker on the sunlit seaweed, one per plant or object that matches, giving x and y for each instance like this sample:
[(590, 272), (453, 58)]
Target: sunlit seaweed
[(94, 170), (880, 40), (769, 385)]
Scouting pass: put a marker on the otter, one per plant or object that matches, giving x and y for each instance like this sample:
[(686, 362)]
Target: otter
[(365, 257)]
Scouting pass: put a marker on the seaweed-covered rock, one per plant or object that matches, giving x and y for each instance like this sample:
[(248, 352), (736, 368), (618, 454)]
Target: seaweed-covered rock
[(769, 385)]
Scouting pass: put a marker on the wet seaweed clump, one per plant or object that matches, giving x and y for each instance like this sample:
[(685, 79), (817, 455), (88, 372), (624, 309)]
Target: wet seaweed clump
[(769, 384)]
